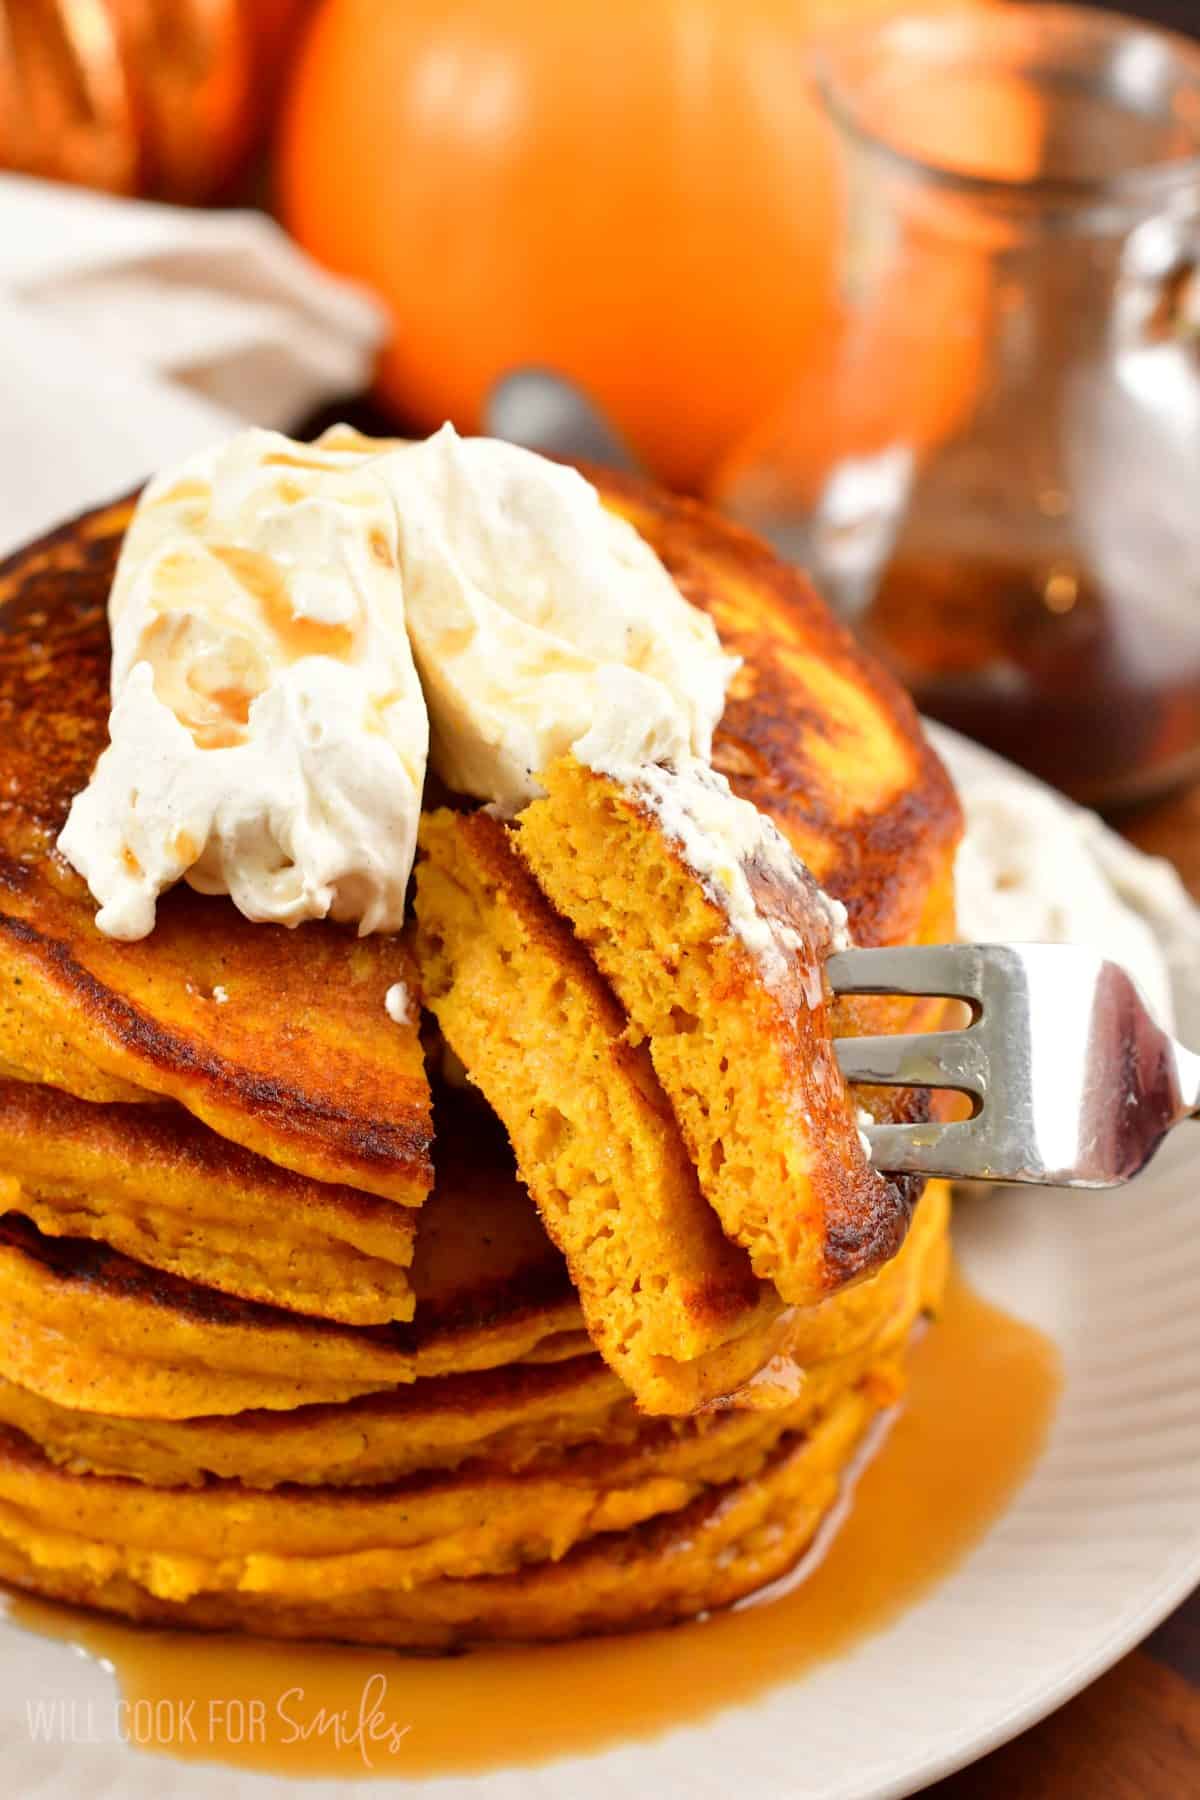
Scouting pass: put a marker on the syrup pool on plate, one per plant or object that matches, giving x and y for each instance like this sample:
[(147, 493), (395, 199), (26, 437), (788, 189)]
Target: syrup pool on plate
[(982, 1393)]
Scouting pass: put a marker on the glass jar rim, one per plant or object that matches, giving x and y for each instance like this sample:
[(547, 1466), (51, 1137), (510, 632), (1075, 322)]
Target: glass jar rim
[(961, 37)]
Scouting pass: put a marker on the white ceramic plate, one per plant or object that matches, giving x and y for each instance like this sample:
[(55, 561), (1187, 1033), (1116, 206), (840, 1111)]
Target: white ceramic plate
[(1100, 1544)]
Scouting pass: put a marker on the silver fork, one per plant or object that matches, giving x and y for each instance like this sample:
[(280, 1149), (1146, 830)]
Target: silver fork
[(1073, 1084)]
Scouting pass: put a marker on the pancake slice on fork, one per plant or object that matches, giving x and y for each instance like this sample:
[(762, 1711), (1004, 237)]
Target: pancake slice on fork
[(737, 1027), (521, 1004)]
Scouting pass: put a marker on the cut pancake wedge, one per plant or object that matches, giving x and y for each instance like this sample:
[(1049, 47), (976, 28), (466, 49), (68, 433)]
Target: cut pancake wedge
[(521, 1004), (737, 1024)]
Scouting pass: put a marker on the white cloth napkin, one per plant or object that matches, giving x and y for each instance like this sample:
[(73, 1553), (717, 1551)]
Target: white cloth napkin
[(133, 334)]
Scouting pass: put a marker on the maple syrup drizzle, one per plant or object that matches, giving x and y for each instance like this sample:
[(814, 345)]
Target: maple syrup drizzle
[(982, 1394)]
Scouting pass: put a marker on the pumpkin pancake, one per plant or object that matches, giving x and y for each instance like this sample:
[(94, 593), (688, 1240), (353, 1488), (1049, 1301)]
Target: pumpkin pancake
[(521, 1004), (515, 1417), (277, 1039), (85, 1326), (156, 1184), (730, 1539), (518, 1413), (328, 1555), (310, 1542)]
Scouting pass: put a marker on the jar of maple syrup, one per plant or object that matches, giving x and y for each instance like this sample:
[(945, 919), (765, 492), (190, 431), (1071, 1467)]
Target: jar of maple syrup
[(993, 468)]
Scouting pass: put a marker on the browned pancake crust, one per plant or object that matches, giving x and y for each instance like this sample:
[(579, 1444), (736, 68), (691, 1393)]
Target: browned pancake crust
[(302, 1064)]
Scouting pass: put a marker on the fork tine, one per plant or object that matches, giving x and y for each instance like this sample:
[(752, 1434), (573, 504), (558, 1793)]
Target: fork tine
[(1074, 1084), (952, 1151), (954, 970), (936, 1059)]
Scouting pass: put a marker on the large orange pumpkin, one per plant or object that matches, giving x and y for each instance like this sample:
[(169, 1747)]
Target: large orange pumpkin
[(639, 193)]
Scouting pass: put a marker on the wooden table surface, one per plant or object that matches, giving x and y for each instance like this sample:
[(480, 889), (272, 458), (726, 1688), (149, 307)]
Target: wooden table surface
[(1135, 1733)]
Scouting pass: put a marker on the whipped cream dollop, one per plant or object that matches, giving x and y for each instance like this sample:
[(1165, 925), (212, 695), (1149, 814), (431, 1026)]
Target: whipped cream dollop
[(542, 622), (268, 736), (273, 607), (399, 1006), (1032, 870)]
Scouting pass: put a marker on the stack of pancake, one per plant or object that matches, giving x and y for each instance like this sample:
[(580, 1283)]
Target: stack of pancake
[(286, 1343)]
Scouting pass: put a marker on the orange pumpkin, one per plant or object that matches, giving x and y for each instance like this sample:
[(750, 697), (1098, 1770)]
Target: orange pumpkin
[(639, 193), (137, 96)]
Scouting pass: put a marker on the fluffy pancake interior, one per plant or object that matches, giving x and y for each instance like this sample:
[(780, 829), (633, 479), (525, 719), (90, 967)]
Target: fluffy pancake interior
[(523, 1007), (749, 1067)]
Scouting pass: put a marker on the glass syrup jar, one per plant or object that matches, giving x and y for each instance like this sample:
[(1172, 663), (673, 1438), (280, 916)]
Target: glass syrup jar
[(994, 470)]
